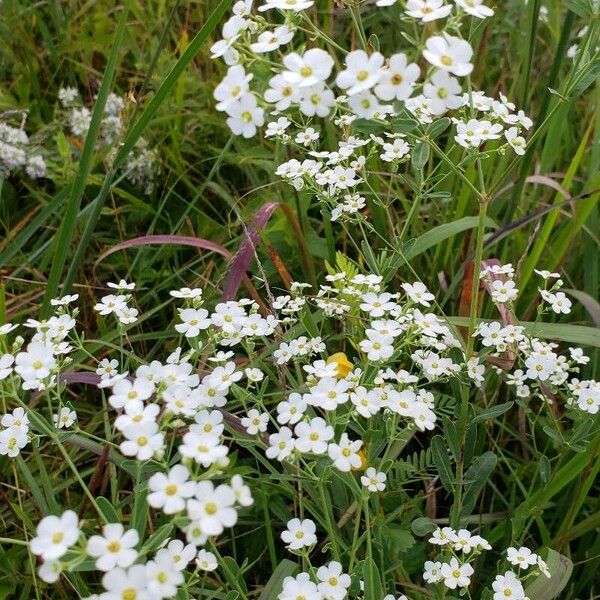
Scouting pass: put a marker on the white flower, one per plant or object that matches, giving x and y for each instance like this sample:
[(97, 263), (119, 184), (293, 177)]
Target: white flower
[(299, 534), (17, 419), (588, 400), (433, 571), (122, 584), (516, 141), (193, 321), (244, 116), (398, 79), (465, 542), (35, 365), (522, 557), (444, 93), (233, 86), (449, 54), (508, 586), (395, 151), (212, 508), (243, 495), (114, 548), (373, 480), (65, 418), (271, 40), (170, 491), (122, 286), (281, 93), (376, 346), (111, 304), (334, 583), (12, 441), (313, 67), (277, 128), (254, 375), (176, 554), (418, 293), (255, 422), (206, 561), (476, 8), (442, 537), (299, 588), (142, 440), (55, 535), (125, 391), (364, 105), (456, 575), (306, 137), (281, 444), (294, 5), (291, 410), (187, 293), (362, 71), (427, 10), (313, 436), (50, 571), (345, 455), (162, 578), (504, 291), (316, 100), (558, 301)]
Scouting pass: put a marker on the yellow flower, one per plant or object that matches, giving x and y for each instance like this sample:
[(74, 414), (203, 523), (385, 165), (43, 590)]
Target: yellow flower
[(344, 366), (363, 457)]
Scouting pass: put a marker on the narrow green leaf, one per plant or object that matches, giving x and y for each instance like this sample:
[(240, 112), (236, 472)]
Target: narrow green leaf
[(422, 526), (65, 235), (441, 233), (441, 460), (420, 155), (475, 478), (271, 591), (492, 412), (373, 590), (544, 588), (108, 510), (136, 131)]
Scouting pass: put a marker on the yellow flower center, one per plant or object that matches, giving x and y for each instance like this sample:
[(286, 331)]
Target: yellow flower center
[(57, 538), (114, 547), (362, 75), (171, 489), (211, 508)]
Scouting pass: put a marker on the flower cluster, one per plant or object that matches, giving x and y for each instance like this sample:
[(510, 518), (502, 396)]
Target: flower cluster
[(141, 165), (17, 152), (453, 569), (240, 375)]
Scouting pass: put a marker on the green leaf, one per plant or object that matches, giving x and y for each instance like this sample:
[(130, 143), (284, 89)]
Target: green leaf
[(422, 526), (400, 125), (573, 334), (590, 73), (451, 435), (442, 233), (67, 228), (399, 539), (581, 8), (372, 580), (544, 588), (545, 468), (475, 478), (157, 538), (420, 155), (441, 460), (368, 126), (438, 127), (271, 591), (108, 510), (139, 515), (136, 132), (492, 412)]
